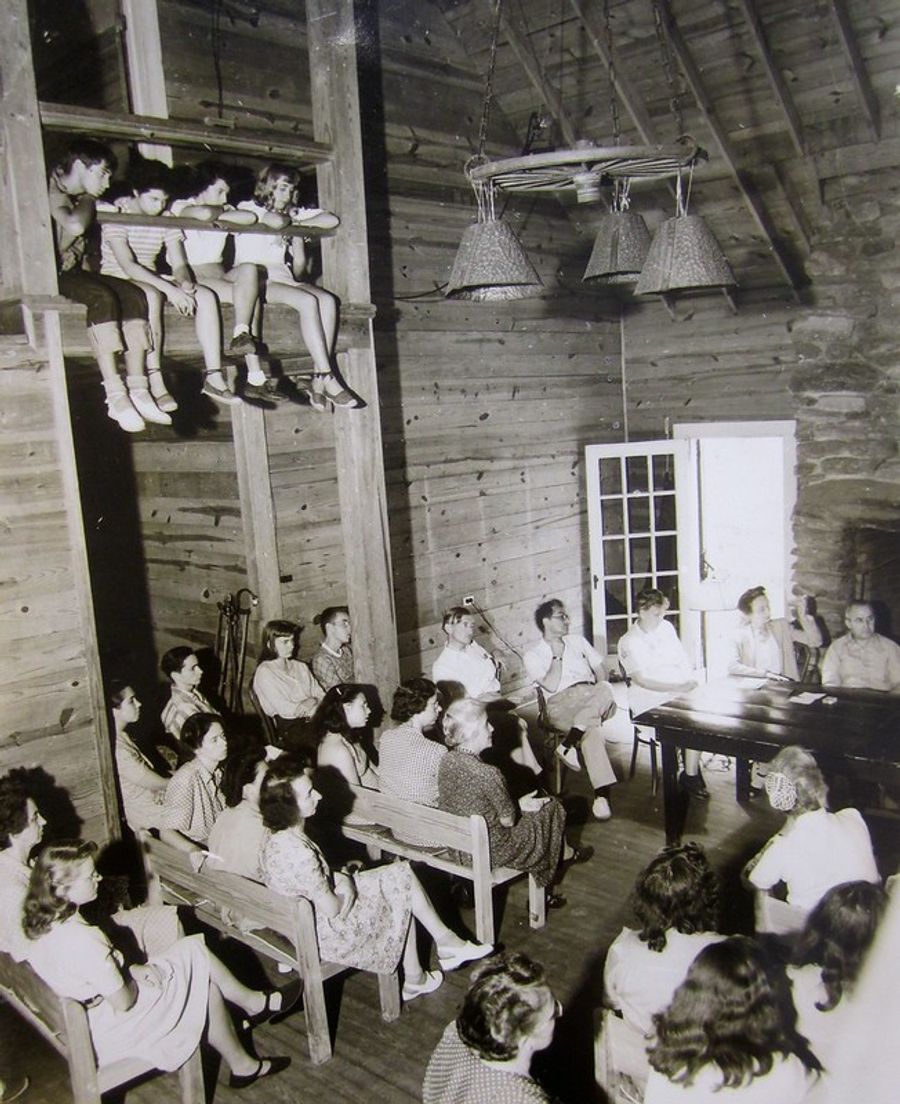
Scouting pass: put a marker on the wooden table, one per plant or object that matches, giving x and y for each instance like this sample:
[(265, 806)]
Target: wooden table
[(857, 735)]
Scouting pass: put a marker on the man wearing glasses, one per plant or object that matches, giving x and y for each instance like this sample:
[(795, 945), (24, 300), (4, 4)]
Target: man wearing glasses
[(572, 674)]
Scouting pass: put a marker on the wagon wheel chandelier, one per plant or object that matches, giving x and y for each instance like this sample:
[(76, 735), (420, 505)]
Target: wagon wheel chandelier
[(491, 263)]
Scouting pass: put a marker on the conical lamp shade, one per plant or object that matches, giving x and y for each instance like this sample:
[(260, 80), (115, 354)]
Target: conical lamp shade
[(491, 264), (620, 248), (684, 254)]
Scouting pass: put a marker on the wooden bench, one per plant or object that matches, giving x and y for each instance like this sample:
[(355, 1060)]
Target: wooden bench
[(387, 817), (284, 929), (64, 1024)]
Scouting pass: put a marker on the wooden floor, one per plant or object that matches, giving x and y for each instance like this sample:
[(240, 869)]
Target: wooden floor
[(378, 1062)]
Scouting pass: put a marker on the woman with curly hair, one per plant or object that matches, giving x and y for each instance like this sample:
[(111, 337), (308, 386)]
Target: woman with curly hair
[(364, 919), (814, 851), (156, 1012), (729, 1034), (828, 957), (508, 1015), (408, 760), (676, 903)]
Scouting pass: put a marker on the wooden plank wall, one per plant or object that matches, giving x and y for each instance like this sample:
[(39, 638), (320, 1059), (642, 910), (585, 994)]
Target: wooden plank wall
[(486, 409), (47, 717)]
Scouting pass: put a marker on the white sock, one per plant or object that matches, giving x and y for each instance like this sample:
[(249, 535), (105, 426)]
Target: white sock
[(240, 328)]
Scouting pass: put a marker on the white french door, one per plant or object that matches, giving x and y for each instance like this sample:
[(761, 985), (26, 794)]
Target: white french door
[(638, 538), (702, 518)]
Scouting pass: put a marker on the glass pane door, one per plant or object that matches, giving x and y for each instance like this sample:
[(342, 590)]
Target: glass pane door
[(634, 516)]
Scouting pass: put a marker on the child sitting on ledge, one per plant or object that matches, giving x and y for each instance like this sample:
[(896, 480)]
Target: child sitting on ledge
[(116, 309), (284, 262), (131, 253)]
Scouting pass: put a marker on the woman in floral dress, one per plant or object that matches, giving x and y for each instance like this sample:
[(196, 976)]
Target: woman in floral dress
[(362, 919)]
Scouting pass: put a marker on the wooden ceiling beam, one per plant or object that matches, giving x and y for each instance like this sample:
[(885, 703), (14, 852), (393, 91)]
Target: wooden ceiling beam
[(782, 95), (625, 89), (523, 50), (858, 72), (745, 186)]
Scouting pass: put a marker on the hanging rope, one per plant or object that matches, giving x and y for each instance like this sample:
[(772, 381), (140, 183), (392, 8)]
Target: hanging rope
[(661, 17), (489, 85), (611, 73)]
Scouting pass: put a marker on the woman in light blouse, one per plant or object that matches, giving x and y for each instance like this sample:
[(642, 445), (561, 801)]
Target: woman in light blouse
[(285, 687)]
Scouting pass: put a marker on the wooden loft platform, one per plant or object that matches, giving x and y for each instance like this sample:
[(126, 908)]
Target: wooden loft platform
[(266, 144)]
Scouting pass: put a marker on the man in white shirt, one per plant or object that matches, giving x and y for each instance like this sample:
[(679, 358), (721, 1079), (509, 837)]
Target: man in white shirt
[(464, 667), (579, 699), (657, 668), (862, 658)]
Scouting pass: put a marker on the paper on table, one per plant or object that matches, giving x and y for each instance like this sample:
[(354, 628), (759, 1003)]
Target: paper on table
[(805, 698)]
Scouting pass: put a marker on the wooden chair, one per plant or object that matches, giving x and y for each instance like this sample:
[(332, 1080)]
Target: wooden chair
[(457, 836), (64, 1024), (270, 731), (551, 737), (280, 928), (642, 734)]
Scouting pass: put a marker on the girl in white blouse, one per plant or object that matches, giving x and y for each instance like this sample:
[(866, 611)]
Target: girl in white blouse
[(155, 1012), (142, 788)]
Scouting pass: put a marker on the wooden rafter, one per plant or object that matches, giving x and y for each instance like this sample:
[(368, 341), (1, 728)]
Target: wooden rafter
[(523, 50), (779, 87), (625, 89), (748, 191), (858, 72)]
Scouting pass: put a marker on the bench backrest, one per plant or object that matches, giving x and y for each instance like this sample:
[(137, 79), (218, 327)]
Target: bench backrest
[(216, 895), (406, 818), (34, 1000)]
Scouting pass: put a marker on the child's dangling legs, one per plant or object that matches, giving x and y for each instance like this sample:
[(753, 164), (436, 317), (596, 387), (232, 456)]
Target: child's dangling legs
[(209, 334), (317, 310), (148, 390), (107, 300), (240, 287)]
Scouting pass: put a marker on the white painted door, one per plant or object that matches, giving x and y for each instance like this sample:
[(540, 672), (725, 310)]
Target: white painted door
[(638, 537)]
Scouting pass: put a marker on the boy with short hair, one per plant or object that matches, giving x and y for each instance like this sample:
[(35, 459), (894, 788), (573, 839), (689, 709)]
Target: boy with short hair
[(117, 313)]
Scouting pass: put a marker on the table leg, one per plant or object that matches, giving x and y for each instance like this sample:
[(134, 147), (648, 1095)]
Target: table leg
[(674, 801), (742, 773)]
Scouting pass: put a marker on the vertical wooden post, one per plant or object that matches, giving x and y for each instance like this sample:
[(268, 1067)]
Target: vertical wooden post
[(32, 269), (146, 75), (80, 569), (248, 427), (331, 34)]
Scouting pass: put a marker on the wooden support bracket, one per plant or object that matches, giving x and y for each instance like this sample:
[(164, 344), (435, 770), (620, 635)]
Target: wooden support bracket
[(748, 192), (524, 51), (858, 73), (782, 95)]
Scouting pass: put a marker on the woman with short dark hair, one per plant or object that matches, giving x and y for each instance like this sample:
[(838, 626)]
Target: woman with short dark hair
[(239, 835), (828, 957), (143, 789), (285, 687), (729, 1037), (408, 760), (340, 721), (364, 919), (675, 902), (764, 645), (508, 1015)]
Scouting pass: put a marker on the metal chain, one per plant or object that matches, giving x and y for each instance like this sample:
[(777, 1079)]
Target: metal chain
[(611, 73), (661, 19), (489, 84)]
